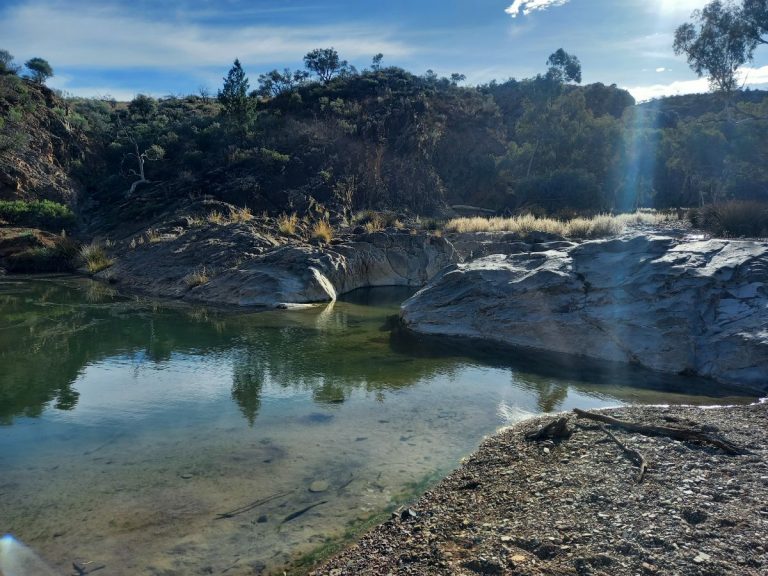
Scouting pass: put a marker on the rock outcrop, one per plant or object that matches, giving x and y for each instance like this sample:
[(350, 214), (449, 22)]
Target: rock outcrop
[(247, 268), (689, 307)]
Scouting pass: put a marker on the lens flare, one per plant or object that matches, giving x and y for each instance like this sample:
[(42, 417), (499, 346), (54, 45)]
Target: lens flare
[(16, 559)]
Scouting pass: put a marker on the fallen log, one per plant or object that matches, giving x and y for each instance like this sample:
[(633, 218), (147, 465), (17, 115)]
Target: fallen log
[(684, 434), (634, 455)]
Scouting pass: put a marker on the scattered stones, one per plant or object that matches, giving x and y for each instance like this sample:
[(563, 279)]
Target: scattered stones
[(582, 512), (701, 557)]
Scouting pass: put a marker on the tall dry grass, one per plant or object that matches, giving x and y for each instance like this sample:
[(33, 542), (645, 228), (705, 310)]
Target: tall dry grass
[(598, 226)]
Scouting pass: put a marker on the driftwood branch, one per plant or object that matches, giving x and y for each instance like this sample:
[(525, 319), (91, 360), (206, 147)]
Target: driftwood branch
[(555, 430), (251, 506), (634, 455), (303, 511), (676, 433)]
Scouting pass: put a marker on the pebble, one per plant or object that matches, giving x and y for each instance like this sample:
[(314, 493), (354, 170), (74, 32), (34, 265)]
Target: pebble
[(701, 557)]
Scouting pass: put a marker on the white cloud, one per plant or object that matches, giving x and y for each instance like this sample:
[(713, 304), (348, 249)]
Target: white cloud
[(752, 77), (525, 7), (643, 93), (661, 69), (110, 37)]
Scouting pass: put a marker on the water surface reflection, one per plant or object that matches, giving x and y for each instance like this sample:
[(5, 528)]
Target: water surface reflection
[(130, 427)]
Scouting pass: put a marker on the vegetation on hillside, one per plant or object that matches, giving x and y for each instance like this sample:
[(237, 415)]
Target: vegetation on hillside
[(337, 141)]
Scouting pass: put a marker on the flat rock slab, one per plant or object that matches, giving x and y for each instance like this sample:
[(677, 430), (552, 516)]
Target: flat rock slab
[(244, 267), (698, 307)]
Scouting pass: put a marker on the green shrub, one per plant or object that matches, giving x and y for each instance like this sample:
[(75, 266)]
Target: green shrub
[(37, 214)]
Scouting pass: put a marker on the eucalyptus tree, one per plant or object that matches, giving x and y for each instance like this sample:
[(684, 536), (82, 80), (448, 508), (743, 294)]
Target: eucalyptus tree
[(717, 43), (7, 65), (325, 64), (275, 83), (564, 67), (40, 70)]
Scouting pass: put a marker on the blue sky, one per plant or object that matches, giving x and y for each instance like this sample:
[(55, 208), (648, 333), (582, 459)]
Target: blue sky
[(100, 48)]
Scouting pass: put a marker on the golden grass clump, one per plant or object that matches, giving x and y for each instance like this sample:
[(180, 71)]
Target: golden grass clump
[(241, 215), (374, 224), (322, 230), (196, 278), (287, 224), (598, 226), (216, 217), (522, 224), (94, 257)]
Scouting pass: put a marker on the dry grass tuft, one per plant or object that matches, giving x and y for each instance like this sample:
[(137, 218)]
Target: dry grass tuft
[(196, 278), (217, 218), (374, 224), (241, 215), (288, 224), (322, 230), (94, 257), (153, 236)]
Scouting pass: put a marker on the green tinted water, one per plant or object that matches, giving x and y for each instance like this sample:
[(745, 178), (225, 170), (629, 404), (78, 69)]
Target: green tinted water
[(127, 428)]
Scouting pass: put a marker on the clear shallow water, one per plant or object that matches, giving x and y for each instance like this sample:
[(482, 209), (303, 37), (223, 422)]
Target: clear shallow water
[(128, 428)]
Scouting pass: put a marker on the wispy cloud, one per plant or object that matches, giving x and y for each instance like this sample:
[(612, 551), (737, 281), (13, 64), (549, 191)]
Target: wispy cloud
[(525, 7), (110, 37)]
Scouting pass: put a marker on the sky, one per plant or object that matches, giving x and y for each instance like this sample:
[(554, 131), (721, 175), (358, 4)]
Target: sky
[(101, 48)]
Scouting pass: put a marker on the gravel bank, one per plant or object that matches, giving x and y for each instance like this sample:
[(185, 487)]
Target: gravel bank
[(575, 507)]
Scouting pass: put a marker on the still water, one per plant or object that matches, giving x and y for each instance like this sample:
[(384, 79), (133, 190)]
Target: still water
[(170, 440)]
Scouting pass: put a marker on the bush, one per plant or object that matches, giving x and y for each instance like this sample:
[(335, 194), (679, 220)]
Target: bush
[(43, 214), (58, 257), (734, 219)]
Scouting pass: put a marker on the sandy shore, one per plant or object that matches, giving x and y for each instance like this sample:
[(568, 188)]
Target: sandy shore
[(576, 507)]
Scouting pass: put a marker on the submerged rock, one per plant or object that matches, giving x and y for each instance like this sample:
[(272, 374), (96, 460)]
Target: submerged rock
[(673, 306), (319, 486)]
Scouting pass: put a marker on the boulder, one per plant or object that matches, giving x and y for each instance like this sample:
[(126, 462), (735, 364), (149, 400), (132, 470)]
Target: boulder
[(676, 306), (246, 268)]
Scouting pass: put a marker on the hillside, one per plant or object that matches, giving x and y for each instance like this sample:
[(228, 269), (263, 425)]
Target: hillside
[(381, 139)]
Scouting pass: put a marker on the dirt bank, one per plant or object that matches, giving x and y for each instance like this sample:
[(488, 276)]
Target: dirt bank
[(575, 506)]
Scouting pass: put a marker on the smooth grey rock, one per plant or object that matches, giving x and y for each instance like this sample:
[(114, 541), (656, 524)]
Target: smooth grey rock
[(246, 268), (669, 305)]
